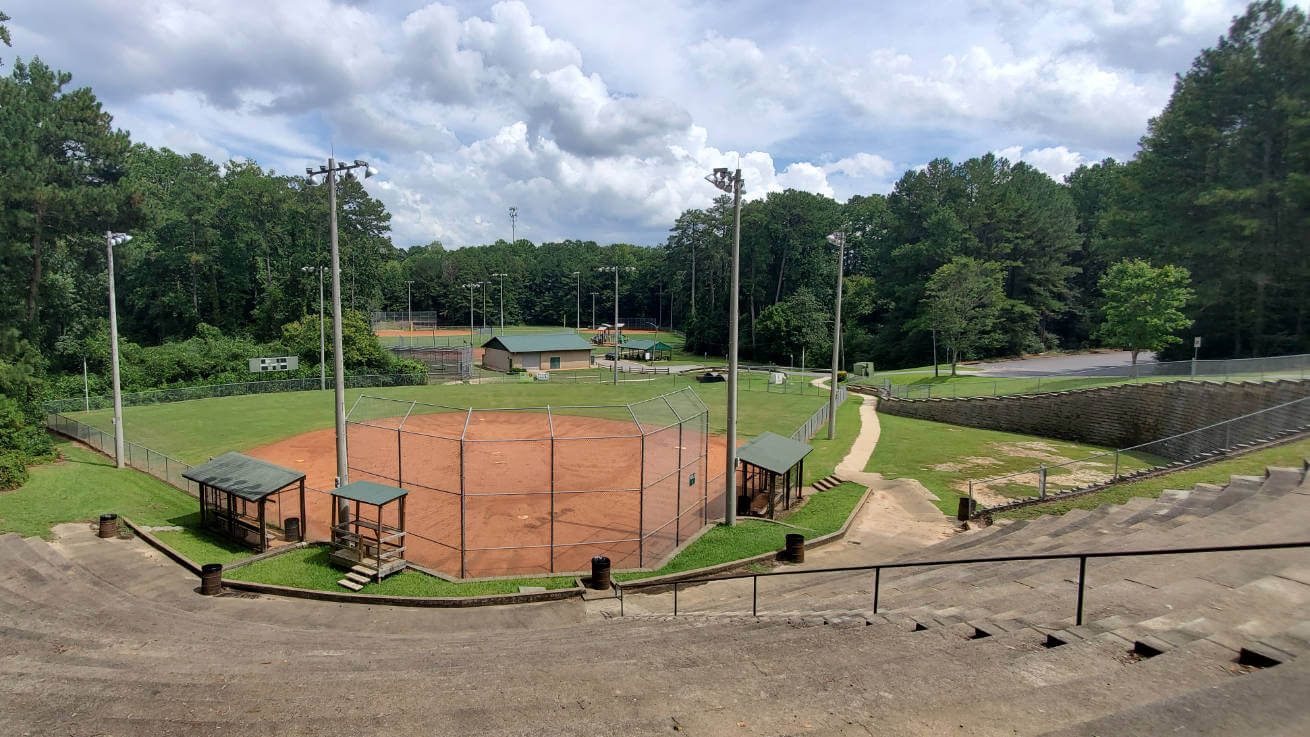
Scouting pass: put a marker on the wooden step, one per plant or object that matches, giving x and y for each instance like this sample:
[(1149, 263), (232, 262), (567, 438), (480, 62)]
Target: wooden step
[(358, 578), (350, 584)]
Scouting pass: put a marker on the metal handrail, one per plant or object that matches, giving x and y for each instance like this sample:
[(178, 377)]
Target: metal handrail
[(878, 568)]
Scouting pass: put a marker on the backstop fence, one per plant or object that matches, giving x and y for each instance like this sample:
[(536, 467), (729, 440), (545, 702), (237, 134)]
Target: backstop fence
[(524, 491)]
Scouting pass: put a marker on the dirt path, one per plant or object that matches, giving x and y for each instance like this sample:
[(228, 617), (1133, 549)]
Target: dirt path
[(898, 516)]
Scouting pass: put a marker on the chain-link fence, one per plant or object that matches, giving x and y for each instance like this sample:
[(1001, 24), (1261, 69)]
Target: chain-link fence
[(1237, 369), (810, 427), (518, 491), (1194, 446), (209, 391)]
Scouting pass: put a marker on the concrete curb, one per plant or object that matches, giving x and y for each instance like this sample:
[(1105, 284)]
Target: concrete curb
[(670, 578), (344, 597)]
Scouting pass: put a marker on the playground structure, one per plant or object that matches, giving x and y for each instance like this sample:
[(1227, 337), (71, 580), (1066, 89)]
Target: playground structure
[(520, 491)]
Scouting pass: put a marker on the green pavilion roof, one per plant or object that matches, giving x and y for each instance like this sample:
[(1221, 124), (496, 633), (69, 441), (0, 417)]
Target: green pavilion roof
[(773, 452), (370, 492), (646, 344), (249, 478)]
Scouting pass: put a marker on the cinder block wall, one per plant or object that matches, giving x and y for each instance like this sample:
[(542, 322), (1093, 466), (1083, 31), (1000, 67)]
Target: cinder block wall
[(1119, 416)]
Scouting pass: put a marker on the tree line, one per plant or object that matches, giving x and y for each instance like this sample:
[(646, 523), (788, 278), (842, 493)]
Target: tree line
[(988, 256)]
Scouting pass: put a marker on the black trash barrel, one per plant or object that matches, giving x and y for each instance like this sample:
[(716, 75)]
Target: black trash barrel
[(795, 547), (211, 579), (108, 525), (965, 509), (292, 525), (600, 573)]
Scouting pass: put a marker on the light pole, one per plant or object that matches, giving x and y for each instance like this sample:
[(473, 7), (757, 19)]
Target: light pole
[(115, 239), (322, 330), (513, 225), (502, 301), (470, 286), (482, 287), (593, 310), (731, 182), (616, 270), (409, 302), (577, 315), (838, 239), (338, 359)]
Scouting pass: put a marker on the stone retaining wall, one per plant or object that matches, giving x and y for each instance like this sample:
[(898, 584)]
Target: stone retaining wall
[(1125, 415)]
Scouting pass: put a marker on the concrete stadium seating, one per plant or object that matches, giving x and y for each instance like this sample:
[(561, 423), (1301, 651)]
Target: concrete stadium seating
[(108, 637)]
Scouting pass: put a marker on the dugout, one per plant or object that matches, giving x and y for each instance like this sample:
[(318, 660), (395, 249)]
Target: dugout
[(234, 493), (372, 535), (763, 461), (640, 348)]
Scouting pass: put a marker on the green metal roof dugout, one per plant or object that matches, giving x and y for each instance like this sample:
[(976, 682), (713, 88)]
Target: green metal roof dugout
[(234, 490), (763, 460)]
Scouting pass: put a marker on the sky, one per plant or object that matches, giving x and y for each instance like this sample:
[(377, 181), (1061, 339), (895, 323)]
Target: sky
[(598, 120)]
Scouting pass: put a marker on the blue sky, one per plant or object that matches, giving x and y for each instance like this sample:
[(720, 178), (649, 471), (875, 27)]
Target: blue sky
[(598, 120)]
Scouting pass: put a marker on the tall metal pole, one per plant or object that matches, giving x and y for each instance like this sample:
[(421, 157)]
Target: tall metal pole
[(593, 310), (693, 267), (840, 239), (577, 316), (409, 301), (513, 225), (616, 325), (502, 276), (86, 386), (934, 353), (113, 353), (338, 354), (730, 512), (322, 340)]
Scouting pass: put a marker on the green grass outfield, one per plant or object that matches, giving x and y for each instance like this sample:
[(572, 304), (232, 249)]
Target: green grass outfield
[(1291, 455), (83, 484), (938, 456), (194, 430)]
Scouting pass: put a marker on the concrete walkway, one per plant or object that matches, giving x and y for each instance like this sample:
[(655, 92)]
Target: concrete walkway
[(897, 518)]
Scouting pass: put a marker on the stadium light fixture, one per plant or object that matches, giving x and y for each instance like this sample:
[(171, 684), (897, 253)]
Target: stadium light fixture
[(331, 169), (731, 183)]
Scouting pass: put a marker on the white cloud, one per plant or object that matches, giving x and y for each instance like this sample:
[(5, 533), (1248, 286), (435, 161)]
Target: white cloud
[(600, 119), (1055, 161)]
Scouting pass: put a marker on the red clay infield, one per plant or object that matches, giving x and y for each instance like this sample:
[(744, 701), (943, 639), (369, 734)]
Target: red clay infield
[(605, 498)]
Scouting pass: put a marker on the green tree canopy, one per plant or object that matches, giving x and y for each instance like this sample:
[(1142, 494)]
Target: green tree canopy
[(1143, 305)]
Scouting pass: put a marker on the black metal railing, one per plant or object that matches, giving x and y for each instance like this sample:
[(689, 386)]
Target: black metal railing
[(878, 568)]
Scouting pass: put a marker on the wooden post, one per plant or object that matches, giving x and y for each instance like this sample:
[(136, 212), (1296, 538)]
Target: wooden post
[(303, 522), (263, 528)]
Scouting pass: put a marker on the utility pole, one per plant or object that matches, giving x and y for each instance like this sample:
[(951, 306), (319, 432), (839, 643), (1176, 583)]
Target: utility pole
[(338, 359), (593, 310), (482, 286), (502, 301), (470, 287), (934, 353), (731, 182), (409, 301), (838, 239), (114, 239), (616, 270), (577, 317), (693, 267), (86, 386)]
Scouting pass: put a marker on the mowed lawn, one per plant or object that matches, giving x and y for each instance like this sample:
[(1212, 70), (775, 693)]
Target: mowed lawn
[(83, 484), (944, 458), (193, 431)]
